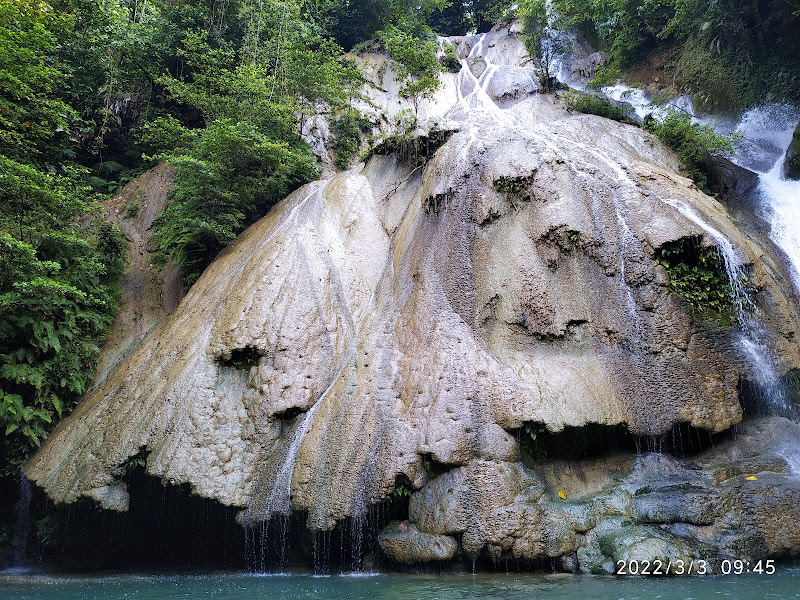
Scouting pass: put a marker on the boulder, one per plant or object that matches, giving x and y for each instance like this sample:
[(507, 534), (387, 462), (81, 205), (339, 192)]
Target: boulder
[(404, 543), (791, 166), (734, 185), (512, 83)]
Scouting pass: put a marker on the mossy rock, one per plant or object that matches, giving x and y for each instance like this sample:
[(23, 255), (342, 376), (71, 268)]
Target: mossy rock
[(791, 168), (697, 274)]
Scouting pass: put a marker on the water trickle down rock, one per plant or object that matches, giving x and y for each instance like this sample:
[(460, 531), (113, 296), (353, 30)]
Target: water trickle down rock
[(398, 311)]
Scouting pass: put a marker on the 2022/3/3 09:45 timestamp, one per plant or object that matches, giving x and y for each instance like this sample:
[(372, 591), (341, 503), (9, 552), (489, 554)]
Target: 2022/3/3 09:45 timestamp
[(693, 567)]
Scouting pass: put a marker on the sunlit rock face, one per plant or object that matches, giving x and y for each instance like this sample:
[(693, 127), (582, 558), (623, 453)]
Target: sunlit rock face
[(425, 308)]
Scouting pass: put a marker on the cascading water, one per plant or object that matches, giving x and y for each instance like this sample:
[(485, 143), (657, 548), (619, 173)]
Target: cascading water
[(751, 338), (278, 502), (765, 134), (22, 525)]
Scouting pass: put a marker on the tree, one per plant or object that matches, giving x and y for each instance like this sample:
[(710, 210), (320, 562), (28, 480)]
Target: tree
[(57, 300), (543, 42), (416, 61), (730, 54), (229, 175), (462, 16), (34, 121), (360, 20)]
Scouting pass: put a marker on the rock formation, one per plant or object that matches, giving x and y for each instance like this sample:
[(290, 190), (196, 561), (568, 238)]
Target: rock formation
[(149, 294), (422, 308), (791, 167)]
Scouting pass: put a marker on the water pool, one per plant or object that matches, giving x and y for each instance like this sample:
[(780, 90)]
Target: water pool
[(782, 585)]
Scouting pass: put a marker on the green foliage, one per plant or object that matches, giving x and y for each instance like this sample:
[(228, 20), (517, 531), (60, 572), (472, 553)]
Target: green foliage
[(693, 142), (132, 210), (248, 155), (594, 104), (412, 146), (231, 174), (164, 135), (697, 274), (543, 42), (353, 21), (57, 300), (603, 76), (416, 61), (46, 529), (459, 17), (402, 490), (450, 60), (58, 263), (514, 186), (349, 128), (731, 54), (33, 120)]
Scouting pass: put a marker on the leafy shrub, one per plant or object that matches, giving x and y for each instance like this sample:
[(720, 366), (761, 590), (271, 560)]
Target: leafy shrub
[(349, 129), (412, 146), (603, 76), (231, 175), (416, 62), (595, 104), (450, 60), (730, 54), (697, 273), (57, 301), (693, 142)]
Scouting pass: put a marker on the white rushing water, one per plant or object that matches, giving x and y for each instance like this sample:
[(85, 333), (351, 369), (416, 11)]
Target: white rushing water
[(751, 338), (765, 134), (642, 102)]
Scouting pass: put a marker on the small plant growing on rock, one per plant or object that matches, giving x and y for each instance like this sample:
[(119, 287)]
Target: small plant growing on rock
[(132, 210), (402, 490), (412, 146), (514, 186), (694, 143), (349, 128), (450, 60), (593, 104), (697, 274)]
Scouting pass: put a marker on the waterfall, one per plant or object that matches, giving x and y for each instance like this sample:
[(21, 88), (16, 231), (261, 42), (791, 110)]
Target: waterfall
[(22, 524), (751, 337), (279, 499), (765, 134)]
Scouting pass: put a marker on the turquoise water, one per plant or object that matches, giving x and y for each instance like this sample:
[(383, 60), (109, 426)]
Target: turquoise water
[(784, 584)]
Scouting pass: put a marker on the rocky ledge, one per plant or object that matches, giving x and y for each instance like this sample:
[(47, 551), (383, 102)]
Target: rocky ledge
[(733, 501)]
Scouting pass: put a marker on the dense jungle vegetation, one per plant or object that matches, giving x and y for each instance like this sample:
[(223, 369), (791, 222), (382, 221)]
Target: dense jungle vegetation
[(731, 54), (93, 92)]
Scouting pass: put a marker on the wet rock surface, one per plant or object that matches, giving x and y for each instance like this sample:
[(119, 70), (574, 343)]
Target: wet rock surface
[(644, 508), (791, 166), (407, 318), (149, 294), (407, 545)]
